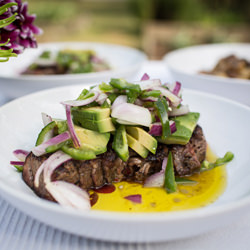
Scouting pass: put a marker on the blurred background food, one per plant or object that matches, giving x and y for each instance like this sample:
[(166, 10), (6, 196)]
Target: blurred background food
[(155, 26)]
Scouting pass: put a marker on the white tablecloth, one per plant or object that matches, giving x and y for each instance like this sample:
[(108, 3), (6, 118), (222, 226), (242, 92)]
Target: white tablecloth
[(20, 232)]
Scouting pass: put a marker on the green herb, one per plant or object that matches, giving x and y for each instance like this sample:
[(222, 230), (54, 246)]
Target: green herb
[(162, 109), (219, 162), (18, 168), (169, 183), (106, 104), (122, 84), (152, 93), (104, 87), (132, 96), (85, 95), (112, 97), (184, 181), (46, 54)]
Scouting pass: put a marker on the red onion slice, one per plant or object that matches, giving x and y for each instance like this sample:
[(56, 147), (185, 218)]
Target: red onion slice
[(17, 163), (46, 119), (78, 103), (38, 173), (72, 132), (148, 84), (136, 198), (182, 110), (156, 128), (49, 165), (132, 113), (145, 77), (176, 88), (53, 162), (157, 179), (175, 100), (20, 154), (40, 149), (101, 98), (119, 100), (69, 195)]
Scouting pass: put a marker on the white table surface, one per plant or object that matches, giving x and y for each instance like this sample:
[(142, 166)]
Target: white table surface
[(18, 231)]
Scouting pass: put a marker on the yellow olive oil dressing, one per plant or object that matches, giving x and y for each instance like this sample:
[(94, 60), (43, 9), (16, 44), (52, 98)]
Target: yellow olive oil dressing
[(210, 185)]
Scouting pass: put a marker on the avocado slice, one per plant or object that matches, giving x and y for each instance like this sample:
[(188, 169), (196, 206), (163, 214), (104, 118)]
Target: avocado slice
[(92, 140), (137, 146), (185, 126), (92, 113), (101, 126), (143, 137)]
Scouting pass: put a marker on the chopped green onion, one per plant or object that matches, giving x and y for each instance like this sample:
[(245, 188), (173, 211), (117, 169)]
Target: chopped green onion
[(161, 106), (169, 183), (206, 165)]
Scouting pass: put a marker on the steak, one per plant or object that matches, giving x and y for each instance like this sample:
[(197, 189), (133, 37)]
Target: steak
[(108, 167)]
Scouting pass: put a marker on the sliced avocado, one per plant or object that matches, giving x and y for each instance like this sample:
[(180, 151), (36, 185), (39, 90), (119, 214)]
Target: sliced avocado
[(93, 113), (143, 137), (185, 126), (92, 140), (137, 146), (101, 126), (120, 143)]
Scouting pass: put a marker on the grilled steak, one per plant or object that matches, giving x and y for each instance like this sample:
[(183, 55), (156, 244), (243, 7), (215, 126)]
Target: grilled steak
[(108, 167)]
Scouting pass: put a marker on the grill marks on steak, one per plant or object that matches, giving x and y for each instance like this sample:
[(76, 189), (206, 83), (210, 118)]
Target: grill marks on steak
[(108, 167)]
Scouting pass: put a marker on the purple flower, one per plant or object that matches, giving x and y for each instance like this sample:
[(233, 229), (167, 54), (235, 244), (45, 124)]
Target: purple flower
[(21, 32)]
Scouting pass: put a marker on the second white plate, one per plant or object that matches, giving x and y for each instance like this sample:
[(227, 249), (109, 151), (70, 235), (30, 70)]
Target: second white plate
[(185, 65), (124, 61)]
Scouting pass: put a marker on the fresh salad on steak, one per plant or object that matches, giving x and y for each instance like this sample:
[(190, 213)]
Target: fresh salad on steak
[(67, 62), (116, 131)]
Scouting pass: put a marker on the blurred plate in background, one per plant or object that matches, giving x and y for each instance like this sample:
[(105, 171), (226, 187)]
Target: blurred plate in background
[(124, 61), (185, 65)]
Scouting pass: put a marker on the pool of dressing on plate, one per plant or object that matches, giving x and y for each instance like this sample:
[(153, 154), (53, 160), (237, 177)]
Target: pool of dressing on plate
[(210, 185)]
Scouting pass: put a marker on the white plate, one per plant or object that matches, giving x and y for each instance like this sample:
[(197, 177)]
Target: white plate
[(226, 127), (124, 61), (184, 65)]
